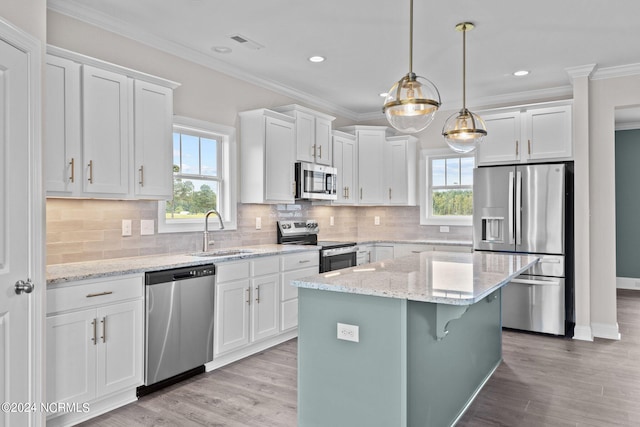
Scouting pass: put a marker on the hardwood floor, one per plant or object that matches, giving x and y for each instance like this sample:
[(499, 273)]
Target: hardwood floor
[(543, 381)]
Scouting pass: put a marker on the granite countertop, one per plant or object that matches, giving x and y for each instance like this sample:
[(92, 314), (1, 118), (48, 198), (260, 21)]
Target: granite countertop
[(421, 242), (63, 273), (437, 277)]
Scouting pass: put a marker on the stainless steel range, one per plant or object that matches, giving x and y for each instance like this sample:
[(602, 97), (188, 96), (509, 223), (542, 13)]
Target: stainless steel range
[(333, 255)]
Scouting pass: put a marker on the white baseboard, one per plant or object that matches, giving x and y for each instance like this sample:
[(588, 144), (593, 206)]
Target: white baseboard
[(606, 330), (582, 333), (627, 283)]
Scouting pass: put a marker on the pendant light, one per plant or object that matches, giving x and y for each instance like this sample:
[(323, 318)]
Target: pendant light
[(412, 102), (464, 130)]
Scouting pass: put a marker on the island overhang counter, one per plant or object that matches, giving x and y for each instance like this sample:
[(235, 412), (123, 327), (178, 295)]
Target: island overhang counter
[(419, 337)]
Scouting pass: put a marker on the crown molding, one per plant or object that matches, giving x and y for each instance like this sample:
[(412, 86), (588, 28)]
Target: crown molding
[(79, 11), (581, 71), (619, 71)]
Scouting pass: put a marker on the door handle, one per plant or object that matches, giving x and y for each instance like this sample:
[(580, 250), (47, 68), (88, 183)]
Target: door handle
[(511, 209), (24, 287), (518, 208)]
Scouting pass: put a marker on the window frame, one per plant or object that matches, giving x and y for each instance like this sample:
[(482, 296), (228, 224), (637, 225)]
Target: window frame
[(426, 217), (227, 175)]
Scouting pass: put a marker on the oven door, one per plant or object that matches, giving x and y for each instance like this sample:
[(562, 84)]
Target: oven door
[(335, 259)]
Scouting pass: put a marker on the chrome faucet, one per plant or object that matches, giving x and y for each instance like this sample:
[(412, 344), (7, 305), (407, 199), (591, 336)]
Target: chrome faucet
[(205, 239)]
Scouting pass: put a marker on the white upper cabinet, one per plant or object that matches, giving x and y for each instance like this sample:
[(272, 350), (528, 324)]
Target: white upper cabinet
[(108, 130), (344, 160), (371, 164), (313, 134), (62, 126), (153, 112), (527, 134), (267, 149), (105, 137), (401, 160)]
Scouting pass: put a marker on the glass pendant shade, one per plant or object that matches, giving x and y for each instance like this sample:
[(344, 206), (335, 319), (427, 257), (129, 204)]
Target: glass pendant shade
[(463, 131), (411, 103)]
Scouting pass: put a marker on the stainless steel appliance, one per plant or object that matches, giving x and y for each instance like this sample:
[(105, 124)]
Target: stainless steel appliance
[(315, 182), (529, 209), (333, 255), (179, 324)]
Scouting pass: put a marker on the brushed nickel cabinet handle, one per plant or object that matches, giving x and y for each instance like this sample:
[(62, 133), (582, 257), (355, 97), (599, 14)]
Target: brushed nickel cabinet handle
[(94, 324), (529, 146), (293, 186), (249, 296), (389, 193), (99, 294), (104, 329), (302, 261), (516, 147), (258, 294), (320, 149), (313, 151), (90, 171), (348, 192), (72, 164), (141, 170), (360, 193)]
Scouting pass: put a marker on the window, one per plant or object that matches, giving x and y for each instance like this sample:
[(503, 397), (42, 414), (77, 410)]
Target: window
[(447, 188), (203, 176)]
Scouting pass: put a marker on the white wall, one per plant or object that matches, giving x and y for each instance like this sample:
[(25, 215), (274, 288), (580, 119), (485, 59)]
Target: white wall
[(606, 95)]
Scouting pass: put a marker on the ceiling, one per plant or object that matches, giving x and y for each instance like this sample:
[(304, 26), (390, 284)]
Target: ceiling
[(366, 44)]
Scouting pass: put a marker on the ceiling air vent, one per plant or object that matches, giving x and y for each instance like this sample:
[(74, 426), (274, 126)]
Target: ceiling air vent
[(246, 42)]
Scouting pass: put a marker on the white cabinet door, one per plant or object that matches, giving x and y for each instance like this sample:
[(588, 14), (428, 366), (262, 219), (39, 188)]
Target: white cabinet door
[(153, 106), (371, 173), (323, 141), (344, 151), (71, 357), (305, 137), (62, 162), (120, 346), (232, 315), (549, 133), (105, 140), (503, 141), (265, 303), (279, 159)]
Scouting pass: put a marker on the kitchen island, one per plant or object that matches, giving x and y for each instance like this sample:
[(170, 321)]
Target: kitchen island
[(404, 342)]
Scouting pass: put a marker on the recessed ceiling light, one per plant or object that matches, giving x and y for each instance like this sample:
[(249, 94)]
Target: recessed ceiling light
[(520, 73), (221, 49), (317, 58)]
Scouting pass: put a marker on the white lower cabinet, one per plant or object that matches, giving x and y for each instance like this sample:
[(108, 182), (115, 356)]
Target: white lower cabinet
[(94, 345), (294, 266)]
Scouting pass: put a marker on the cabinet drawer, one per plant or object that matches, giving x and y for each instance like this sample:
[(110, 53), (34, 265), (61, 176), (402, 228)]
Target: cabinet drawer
[(226, 272), (301, 260), (95, 292), (262, 266)]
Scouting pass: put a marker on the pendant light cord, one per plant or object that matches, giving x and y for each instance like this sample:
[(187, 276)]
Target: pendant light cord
[(410, 37), (464, 67)]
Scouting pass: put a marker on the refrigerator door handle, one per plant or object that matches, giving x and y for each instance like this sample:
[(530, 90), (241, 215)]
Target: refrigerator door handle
[(510, 225), (518, 208)]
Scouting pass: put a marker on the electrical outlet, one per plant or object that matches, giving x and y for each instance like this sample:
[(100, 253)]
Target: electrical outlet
[(376, 220), (444, 228), (147, 227), (348, 332), (258, 223), (331, 221), (126, 227)]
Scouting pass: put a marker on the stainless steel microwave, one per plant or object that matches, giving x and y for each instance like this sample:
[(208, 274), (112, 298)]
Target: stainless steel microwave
[(315, 182)]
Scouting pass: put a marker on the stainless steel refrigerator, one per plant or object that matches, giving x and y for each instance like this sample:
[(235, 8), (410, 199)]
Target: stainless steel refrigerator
[(529, 209)]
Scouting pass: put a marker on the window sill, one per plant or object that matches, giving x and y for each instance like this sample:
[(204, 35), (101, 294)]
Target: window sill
[(195, 226)]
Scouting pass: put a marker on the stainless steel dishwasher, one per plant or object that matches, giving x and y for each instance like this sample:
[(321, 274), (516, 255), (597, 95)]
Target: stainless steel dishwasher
[(179, 324)]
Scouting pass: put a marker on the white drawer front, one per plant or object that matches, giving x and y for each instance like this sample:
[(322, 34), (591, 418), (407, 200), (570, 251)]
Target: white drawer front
[(226, 272), (102, 291), (263, 266), (301, 260)]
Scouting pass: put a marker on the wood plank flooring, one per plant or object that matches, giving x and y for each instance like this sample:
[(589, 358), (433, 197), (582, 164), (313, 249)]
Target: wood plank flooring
[(543, 381)]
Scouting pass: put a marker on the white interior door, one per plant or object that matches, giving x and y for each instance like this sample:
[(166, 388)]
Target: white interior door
[(16, 258)]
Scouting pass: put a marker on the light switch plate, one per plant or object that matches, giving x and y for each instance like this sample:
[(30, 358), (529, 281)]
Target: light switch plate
[(376, 220), (331, 221), (258, 223), (444, 228), (147, 227), (126, 227)]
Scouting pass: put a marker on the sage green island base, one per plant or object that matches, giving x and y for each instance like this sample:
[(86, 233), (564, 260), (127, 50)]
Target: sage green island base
[(415, 363)]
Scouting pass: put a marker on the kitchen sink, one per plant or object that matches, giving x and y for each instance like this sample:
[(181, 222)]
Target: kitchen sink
[(224, 252)]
